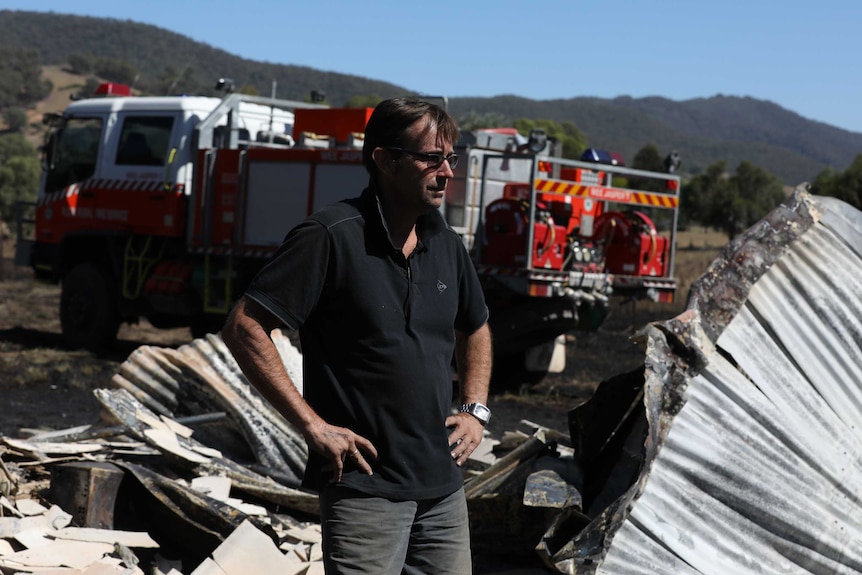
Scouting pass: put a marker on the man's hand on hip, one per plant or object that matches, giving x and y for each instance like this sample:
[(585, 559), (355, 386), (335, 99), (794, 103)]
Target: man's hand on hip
[(338, 444), (465, 437)]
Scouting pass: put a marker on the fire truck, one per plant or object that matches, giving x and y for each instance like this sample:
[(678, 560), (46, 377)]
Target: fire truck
[(164, 208)]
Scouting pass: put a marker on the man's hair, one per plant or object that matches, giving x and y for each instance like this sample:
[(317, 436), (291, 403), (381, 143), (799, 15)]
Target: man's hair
[(390, 120)]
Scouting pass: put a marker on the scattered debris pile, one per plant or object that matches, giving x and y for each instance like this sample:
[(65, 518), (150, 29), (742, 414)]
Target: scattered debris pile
[(192, 472)]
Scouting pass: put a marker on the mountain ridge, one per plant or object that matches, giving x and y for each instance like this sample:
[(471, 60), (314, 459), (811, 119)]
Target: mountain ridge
[(703, 130)]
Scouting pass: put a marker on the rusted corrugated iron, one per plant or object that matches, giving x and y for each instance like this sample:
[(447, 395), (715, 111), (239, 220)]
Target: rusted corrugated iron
[(744, 454)]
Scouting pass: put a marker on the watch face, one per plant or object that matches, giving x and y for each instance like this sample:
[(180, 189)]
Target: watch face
[(481, 412), (477, 410)]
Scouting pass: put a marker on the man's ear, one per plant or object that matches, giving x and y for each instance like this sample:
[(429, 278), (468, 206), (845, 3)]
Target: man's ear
[(384, 160)]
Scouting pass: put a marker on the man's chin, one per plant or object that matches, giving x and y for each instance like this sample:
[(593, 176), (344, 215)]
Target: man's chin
[(435, 199)]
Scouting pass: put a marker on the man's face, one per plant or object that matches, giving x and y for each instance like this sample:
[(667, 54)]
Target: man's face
[(419, 180)]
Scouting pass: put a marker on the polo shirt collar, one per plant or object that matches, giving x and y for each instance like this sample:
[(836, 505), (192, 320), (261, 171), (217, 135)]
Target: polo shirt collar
[(427, 226)]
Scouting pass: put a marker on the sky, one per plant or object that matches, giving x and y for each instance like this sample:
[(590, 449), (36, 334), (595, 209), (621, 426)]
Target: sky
[(802, 55)]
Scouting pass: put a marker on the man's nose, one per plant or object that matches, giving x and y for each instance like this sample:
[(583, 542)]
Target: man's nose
[(446, 169)]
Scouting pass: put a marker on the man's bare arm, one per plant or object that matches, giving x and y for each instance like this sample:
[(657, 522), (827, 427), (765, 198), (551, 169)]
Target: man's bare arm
[(473, 358), (246, 334)]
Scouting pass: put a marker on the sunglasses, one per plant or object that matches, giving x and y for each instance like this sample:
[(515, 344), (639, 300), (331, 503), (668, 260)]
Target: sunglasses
[(431, 160)]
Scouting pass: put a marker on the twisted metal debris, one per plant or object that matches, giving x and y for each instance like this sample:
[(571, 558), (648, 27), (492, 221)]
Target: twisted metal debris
[(203, 376), (743, 454)]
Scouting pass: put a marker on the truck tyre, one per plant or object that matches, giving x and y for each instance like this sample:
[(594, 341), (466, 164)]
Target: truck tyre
[(88, 307)]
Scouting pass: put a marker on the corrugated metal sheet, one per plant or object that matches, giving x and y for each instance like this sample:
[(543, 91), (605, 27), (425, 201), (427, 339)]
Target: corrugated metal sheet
[(204, 376), (751, 462)]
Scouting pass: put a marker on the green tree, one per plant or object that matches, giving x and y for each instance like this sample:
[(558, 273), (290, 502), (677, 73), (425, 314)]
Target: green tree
[(650, 159), (80, 63), (846, 186), (171, 81), (573, 140), (21, 81), (19, 173), (698, 193), (15, 118), (113, 70), (249, 90), (761, 191), (88, 89), (473, 120), (850, 183), (826, 183), (750, 194), (364, 101)]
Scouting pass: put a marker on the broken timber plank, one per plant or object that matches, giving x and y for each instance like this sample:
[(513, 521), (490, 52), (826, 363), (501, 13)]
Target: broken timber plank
[(125, 408)]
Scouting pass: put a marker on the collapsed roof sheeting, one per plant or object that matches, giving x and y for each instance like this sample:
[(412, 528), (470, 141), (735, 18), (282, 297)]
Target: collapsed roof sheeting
[(203, 376), (749, 458)]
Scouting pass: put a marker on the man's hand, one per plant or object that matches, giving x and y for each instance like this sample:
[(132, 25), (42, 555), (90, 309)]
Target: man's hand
[(465, 437), (338, 444)]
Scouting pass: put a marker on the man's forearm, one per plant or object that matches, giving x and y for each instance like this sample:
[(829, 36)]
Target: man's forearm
[(473, 357), (247, 337)]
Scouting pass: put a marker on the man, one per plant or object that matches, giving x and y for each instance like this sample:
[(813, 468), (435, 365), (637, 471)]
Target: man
[(382, 293)]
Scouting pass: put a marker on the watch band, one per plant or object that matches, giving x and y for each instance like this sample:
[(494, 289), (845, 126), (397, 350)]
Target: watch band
[(478, 410)]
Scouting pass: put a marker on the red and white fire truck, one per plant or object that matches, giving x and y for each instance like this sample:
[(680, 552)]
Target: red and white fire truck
[(164, 208)]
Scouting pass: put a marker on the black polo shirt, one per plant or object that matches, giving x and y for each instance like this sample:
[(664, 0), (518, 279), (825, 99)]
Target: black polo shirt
[(378, 335)]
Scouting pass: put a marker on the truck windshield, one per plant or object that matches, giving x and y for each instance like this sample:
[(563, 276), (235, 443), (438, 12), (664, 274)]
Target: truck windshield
[(72, 153)]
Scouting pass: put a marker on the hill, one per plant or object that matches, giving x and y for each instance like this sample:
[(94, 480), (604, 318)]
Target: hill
[(703, 130)]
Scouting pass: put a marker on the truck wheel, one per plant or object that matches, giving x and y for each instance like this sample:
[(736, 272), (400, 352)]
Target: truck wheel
[(88, 307)]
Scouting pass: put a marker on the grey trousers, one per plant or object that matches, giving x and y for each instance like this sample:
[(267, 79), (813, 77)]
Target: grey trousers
[(375, 536)]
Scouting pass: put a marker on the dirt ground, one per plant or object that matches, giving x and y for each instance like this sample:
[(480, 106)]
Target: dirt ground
[(46, 386)]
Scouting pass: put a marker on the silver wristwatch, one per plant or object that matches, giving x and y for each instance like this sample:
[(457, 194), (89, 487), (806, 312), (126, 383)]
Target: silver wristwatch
[(478, 410)]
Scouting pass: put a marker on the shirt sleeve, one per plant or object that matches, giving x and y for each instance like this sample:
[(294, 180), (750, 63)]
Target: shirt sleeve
[(290, 284)]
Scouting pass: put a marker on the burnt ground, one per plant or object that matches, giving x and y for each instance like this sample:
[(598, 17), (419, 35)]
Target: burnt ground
[(45, 385)]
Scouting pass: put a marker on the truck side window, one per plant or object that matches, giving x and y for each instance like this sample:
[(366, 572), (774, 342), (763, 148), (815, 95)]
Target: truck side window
[(72, 153), (144, 141)]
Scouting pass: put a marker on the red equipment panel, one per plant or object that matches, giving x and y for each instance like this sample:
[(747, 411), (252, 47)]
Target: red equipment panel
[(646, 257), (632, 246), (336, 122), (505, 238)]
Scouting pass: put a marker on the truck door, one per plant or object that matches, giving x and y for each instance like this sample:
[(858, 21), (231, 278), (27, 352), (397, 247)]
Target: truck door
[(137, 188)]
